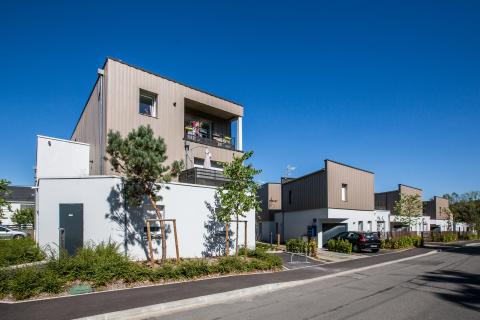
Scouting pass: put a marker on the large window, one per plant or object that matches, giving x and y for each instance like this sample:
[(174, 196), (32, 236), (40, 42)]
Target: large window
[(148, 103), (344, 191)]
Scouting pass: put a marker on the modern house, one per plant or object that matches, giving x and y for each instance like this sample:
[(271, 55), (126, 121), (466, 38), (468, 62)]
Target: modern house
[(20, 197), (326, 202), (194, 124), (386, 201), (437, 210), (270, 196)]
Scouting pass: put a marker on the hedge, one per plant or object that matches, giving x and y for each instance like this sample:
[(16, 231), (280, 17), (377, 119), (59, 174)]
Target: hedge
[(402, 242), (300, 246), (343, 246)]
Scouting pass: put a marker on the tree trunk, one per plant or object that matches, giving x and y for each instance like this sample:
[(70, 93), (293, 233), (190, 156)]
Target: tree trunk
[(162, 228), (236, 238)]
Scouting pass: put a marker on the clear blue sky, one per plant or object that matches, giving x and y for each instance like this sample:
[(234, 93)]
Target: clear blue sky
[(390, 87)]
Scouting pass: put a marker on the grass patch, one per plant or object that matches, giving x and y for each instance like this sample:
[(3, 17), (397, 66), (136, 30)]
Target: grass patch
[(18, 251), (102, 265)]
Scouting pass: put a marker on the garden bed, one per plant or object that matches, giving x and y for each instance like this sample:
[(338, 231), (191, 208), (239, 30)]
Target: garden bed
[(104, 268)]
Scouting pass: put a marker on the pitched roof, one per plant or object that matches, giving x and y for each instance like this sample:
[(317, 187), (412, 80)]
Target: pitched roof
[(20, 194)]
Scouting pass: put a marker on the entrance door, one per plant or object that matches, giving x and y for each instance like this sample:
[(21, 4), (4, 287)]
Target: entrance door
[(71, 223)]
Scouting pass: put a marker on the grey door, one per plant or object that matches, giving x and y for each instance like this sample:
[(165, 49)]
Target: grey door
[(71, 224)]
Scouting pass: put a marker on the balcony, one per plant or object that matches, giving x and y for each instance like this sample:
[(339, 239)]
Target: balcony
[(214, 139), (203, 176)]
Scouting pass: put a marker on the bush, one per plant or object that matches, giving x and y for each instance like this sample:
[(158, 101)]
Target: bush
[(103, 264), (343, 246), (444, 236), (402, 242), (18, 251), (296, 245)]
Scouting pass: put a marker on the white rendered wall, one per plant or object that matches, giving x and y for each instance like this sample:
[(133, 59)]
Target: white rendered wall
[(104, 217), (296, 223), (61, 158)]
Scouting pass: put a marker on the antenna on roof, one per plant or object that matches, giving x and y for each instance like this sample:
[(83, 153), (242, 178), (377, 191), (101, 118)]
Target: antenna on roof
[(290, 169)]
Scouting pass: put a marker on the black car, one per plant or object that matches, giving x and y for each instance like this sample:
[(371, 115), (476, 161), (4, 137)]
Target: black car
[(361, 240)]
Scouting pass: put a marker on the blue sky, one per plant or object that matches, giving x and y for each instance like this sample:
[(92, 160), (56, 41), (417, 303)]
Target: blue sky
[(390, 87)]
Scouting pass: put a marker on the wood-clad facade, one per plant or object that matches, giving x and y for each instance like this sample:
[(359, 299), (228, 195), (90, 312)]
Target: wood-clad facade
[(435, 207), (336, 186), (386, 200), (176, 103)]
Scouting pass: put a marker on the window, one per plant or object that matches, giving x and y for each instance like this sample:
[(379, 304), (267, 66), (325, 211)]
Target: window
[(289, 196), (148, 103), (360, 225), (344, 192)]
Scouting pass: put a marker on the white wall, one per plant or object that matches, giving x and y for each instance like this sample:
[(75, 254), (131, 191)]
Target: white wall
[(61, 158), (104, 217), (296, 223)]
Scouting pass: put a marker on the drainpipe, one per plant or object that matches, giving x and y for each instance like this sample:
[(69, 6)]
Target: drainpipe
[(101, 120)]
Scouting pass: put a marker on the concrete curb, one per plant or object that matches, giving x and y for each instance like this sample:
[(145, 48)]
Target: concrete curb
[(202, 301)]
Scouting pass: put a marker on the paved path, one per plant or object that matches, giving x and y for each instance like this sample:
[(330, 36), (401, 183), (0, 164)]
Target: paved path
[(445, 285), (92, 304)]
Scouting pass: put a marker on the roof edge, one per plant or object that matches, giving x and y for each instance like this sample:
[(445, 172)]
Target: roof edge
[(174, 81)]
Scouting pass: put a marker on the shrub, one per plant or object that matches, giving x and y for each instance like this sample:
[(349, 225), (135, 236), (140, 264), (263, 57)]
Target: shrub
[(296, 245), (343, 246), (402, 242), (18, 251), (103, 264), (444, 236)]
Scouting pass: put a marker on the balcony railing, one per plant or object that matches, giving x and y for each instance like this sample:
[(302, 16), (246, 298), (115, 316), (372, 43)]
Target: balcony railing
[(214, 139), (203, 176)]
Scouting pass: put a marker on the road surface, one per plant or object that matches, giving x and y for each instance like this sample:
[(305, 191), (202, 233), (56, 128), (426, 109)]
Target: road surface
[(445, 285)]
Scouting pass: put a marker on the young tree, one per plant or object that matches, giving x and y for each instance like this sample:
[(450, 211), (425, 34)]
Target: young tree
[(448, 214), (4, 205), (24, 216), (409, 209), (139, 157), (239, 194)]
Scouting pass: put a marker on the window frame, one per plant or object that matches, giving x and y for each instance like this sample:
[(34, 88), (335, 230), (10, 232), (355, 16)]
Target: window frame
[(150, 95), (344, 195)]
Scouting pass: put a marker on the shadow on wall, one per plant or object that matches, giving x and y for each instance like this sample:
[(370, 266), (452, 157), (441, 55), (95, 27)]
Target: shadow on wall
[(131, 224), (214, 238)]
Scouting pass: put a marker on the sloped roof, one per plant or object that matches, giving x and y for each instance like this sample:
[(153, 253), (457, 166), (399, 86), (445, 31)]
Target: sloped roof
[(20, 194)]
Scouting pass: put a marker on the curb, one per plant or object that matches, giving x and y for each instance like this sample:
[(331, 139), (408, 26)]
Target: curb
[(217, 298)]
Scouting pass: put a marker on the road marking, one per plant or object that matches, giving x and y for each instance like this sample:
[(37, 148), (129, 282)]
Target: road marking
[(223, 297), (476, 244)]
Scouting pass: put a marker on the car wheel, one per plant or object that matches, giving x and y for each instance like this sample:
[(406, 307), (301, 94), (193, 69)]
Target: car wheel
[(374, 250), (17, 236), (355, 248)]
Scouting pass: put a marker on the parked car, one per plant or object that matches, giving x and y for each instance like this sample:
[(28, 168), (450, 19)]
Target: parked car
[(7, 233), (361, 240)]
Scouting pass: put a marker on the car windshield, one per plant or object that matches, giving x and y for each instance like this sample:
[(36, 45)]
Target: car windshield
[(371, 236)]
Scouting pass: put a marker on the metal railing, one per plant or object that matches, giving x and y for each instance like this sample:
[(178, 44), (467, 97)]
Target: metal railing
[(216, 140)]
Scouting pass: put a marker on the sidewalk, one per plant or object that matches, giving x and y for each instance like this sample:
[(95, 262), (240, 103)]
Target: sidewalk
[(103, 302)]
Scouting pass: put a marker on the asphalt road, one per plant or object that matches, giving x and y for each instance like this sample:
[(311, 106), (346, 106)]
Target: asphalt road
[(445, 285)]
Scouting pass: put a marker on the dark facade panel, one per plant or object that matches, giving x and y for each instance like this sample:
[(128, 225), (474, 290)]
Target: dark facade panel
[(305, 193)]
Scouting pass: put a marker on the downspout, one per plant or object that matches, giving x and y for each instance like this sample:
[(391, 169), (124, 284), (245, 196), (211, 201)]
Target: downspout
[(101, 120)]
